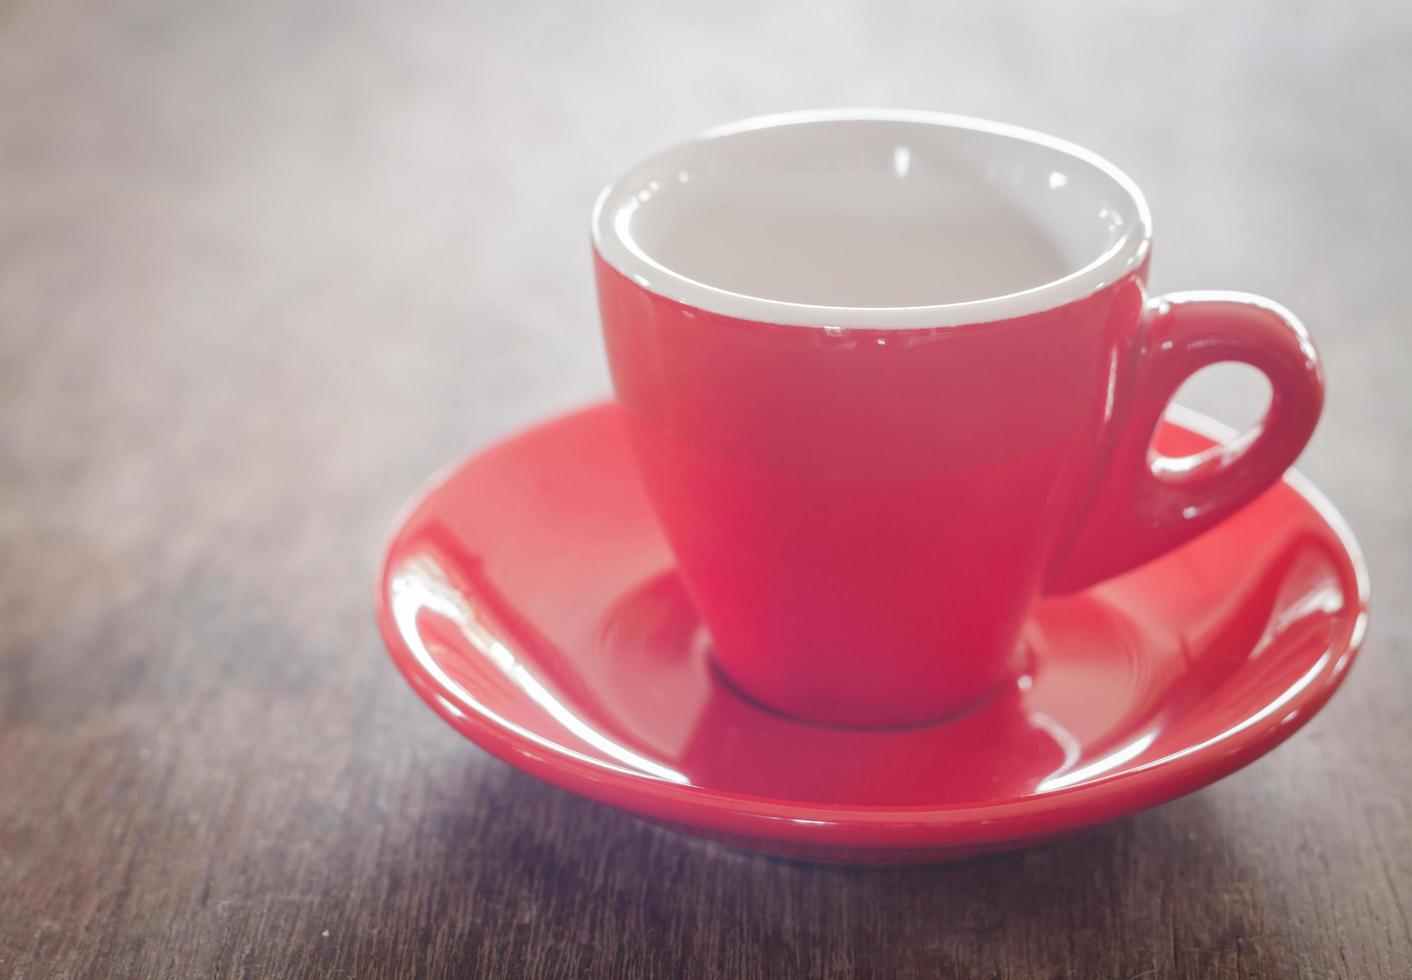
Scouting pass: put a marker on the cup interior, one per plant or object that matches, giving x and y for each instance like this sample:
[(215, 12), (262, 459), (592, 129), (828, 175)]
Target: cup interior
[(872, 219)]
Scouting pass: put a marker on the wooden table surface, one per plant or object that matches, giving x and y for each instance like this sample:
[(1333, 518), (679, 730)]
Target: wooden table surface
[(266, 265)]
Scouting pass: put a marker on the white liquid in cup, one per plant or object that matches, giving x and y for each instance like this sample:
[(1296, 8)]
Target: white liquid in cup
[(863, 240)]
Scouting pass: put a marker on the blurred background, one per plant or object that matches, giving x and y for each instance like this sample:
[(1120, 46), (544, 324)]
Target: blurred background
[(266, 266)]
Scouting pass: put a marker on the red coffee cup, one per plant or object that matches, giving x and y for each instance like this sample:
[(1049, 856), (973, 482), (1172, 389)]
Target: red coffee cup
[(893, 376)]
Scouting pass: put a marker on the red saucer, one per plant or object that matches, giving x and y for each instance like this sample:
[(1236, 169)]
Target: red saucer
[(530, 599)]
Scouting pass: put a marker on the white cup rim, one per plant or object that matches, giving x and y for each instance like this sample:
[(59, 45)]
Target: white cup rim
[(618, 249)]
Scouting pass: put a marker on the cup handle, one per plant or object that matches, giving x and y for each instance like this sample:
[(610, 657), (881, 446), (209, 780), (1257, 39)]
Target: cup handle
[(1146, 504)]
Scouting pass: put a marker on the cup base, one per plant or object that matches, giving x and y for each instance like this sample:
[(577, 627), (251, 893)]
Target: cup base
[(1016, 676)]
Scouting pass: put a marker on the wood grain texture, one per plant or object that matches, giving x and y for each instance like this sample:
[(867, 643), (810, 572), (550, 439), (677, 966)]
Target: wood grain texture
[(264, 266)]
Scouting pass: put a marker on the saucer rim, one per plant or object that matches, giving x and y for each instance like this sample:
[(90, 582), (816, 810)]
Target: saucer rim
[(886, 827)]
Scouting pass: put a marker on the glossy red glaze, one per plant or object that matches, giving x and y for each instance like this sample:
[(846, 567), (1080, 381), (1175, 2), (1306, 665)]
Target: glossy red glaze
[(864, 517), (532, 600)]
